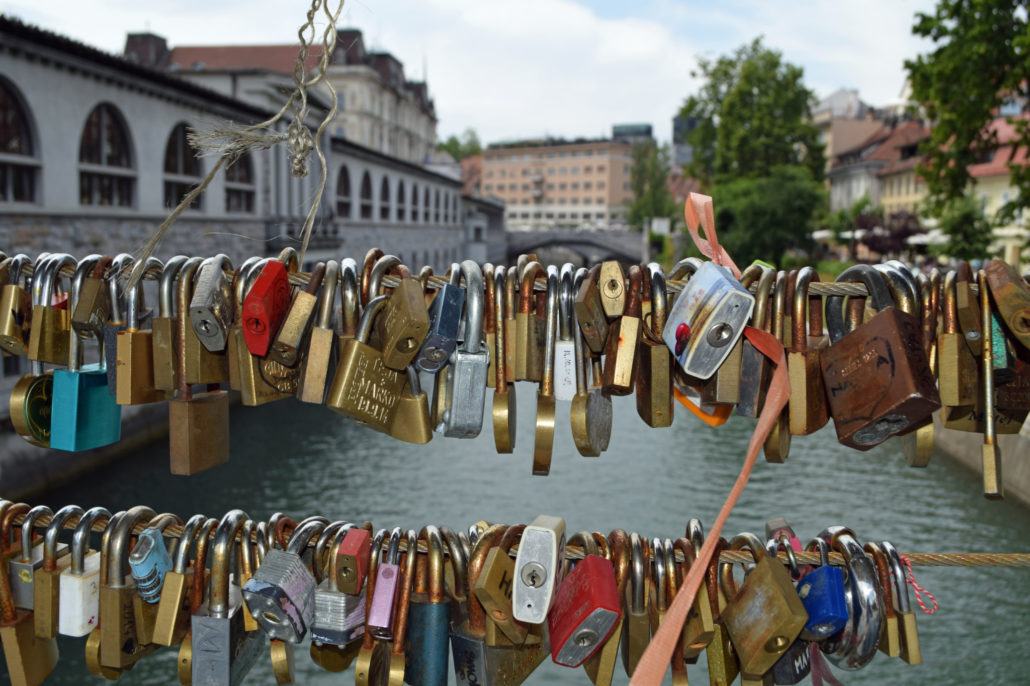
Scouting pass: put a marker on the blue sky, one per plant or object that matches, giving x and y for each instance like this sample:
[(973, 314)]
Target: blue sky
[(534, 67)]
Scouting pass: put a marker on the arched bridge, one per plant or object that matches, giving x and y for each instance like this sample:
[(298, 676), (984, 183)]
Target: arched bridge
[(589, 246)]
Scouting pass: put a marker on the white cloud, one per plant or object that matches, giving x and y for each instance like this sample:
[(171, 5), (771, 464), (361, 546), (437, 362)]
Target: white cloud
[(519, 69)]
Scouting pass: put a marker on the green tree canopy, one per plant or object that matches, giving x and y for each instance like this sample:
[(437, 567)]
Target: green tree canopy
[(968, 231), (649, 181), (761, 218), (752, 115), (980, 62), (467, 146)]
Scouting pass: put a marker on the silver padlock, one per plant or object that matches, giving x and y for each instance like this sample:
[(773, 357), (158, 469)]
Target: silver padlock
[(212, 307), (79, 604), (444, 320), (281, 594), (30, 559), (707, 320), (223, 651), (465, 394), (538, 568), (339, 617), (565, 346)]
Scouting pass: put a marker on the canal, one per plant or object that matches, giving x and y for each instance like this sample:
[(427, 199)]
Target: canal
[(302, 459)]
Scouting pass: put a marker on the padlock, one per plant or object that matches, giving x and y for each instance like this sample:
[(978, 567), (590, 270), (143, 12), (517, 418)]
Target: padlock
[(636, 630), (543, 438), (350, 302), (135, 351), (959, 374), (564, 346), (202, 366), (428, 618), (164, 328), (511, 282), (252, 548), (910, 652), (46, 584), (364, 388), (397, 642), (149, 561), (462, 412), (807, 408), (339, 617), (29, 659), (713, 309), (538, 568), (198, 591), (320, 351), (223, 652), (120, 647), (289, 342), (600, 667), (211, 306), (777, 444), (15, 309), (889, 641), (281, 594), (654, 359), (29, 559), (31, 398), (79, 604), (724, 387), (593, 320), (878, 379), (586, 608), (267, 302), (403, 326), (444, 317), (620, 355), (756, 368), (93, 307), (493, 588), (764, 615), (411, 422), (352, 560), (121, 266), (1011, 297), (83, 415), (370, 652), (794, 665), (822, 593), (855, 645), (699, 629), (50, 334), (590, 416), (380, 615), (474, 661), (504, 405), (173, 608)]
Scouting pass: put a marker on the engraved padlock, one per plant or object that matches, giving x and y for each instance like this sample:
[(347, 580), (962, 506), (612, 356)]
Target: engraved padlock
[(212, 307)]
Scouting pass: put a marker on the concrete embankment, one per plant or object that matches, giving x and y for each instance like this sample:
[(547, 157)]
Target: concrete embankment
[(965, 448)]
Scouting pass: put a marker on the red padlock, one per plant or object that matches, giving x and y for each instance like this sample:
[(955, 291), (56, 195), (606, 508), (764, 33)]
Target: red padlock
[(586, 609), (265, 307), (352, 560)]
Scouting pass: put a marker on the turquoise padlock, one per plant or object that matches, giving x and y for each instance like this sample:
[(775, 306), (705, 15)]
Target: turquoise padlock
[(84, 414)]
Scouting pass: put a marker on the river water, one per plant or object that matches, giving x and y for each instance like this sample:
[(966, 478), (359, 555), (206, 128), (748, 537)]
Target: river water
[(303, 460)]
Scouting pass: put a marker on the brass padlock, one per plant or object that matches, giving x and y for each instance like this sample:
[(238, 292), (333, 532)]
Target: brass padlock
[(528, 358), (163, 327), (807, 407), (15, 309), (93, 308), (592, 319), (654, 359), (289, 342), (546, 404), (50, 335), (135, 348), (755, 368), (620, 355), (503, 408), (405, 322), (877, 377), (959, 375), (321, 351), (611, 282)]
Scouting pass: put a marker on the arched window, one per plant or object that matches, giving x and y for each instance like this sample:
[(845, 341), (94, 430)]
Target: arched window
[(384, 199), (182, 169), (414, 202), (343, 201), (402, 202), (366, 196), (239, 185), (18, 169), (105, 161), (436, 208), (425, 207)]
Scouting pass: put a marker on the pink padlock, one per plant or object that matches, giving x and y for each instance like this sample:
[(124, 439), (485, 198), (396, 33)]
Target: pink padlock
[(380, 615)]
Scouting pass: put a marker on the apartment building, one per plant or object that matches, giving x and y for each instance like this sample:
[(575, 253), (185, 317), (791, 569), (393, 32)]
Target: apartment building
[(560, 184)]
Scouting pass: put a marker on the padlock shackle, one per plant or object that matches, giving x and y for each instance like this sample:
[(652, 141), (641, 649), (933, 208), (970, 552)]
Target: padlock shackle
[(80, 537), (86, 266), (328, 296), (242, 280), (290, 258), (221, 564), (695, 533), (902, 292), (900, 580), (28, 528), (879, 295), (393, 548), (687, 267), (134, 297), (118, 546), (17, 268), (400, 608), (500, 331), (121, 264), (658, 571), (53, 531), (166, 286), (52, 273), (350, 297), (551, 330), (456, 558), (803, 312), (379, 270), (566, 301), (186, 539), (434, 570), (638, 586), (527, 282), (474, 307), (308, 529), (368, 316), (367, 264)]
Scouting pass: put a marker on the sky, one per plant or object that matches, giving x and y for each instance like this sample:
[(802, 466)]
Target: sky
[(532, 68)]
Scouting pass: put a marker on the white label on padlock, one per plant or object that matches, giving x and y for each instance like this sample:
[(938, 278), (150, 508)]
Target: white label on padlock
[(564, 370), (79, 603)]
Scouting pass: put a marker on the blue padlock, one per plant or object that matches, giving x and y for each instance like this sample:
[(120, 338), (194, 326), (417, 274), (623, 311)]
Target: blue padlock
[(150, 560), (822, 593), (444, 318), (84, 413), (429, 621)]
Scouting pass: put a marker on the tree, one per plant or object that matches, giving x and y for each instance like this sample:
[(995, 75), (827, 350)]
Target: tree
[(648, 179), (751, 113), (760, 218), (981, 61), (467, 146), (968, 231)]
